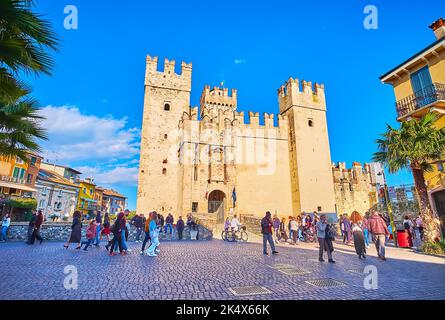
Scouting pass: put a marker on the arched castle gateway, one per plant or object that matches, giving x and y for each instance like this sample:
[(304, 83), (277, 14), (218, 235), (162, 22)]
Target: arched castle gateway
[(198, 159)]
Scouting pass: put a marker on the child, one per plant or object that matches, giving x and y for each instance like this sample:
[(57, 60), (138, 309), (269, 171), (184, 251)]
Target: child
[(91, 235), (227, 224)]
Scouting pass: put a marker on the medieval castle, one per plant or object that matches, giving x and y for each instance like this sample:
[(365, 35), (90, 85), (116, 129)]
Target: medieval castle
[(209, 161)]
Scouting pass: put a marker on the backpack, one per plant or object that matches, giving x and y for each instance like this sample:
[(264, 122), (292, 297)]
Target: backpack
[(331, 232), (406, 225)]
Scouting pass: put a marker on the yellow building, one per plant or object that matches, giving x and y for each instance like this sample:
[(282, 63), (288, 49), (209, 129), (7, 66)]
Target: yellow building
[(86, 201), (419, 87)]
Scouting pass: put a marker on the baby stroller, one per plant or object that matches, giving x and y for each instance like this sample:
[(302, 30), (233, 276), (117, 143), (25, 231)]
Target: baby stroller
[(309, 234)]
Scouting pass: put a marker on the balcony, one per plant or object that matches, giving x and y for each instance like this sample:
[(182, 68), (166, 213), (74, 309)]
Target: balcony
[(427, 96), (12, 179)]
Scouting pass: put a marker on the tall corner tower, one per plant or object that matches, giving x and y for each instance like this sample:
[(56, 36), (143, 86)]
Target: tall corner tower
[(309, 151), (166, 98)]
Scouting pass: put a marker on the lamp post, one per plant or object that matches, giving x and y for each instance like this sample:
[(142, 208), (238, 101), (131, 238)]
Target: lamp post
[(388, 205)]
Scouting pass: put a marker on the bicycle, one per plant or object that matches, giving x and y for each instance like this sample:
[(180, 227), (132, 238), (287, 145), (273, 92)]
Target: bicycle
[(238, 235)]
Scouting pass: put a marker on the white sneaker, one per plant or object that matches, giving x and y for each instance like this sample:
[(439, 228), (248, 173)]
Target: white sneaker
[(152, 254), (142, 253), (158, 251), (128, 250)]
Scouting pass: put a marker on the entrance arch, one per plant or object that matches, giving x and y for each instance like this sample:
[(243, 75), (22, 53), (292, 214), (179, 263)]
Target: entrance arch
[(216, 204)]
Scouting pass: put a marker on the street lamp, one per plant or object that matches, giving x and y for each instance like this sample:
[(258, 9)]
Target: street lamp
[(388, 205)]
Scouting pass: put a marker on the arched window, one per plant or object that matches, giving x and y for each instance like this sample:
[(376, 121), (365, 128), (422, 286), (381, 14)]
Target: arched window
[(166, 107), (165, 136), (310, 123), (164, 171), (165, 161)]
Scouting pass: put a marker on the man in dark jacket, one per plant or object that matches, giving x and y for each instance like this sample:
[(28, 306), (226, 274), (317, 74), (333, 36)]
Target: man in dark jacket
[(377, 227), (161, 222), (38, 225), (138, 222), (180, 227), (31, 227), (266, 230)]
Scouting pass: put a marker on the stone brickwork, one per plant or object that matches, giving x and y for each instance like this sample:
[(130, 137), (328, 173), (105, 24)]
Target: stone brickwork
[(354, 188), (61, 232), (193, 158)]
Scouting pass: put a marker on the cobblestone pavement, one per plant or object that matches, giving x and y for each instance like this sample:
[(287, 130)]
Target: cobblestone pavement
[(206, 270)]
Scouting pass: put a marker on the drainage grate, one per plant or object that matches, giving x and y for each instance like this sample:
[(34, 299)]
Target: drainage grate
[(324, 283), (249, 291), (281, 266), (293, 271)]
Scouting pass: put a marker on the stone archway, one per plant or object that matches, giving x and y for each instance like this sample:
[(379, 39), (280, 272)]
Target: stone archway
[(216, 204)]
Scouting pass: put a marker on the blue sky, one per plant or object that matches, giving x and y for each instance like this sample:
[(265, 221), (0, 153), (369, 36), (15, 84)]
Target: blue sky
[(94, 99)]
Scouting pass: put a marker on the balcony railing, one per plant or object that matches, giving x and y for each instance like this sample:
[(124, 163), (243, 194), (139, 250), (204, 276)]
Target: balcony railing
[(426, 96), (12, 179)]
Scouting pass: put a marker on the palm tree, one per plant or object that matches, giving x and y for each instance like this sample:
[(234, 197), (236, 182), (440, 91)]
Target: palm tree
[(414, 145), (24, 38), (19, 128)]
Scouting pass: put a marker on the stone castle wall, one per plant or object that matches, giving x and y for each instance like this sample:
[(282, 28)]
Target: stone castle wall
[(61, 232)]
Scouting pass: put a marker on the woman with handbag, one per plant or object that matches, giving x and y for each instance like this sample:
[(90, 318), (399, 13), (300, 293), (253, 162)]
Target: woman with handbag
[(358, 235)]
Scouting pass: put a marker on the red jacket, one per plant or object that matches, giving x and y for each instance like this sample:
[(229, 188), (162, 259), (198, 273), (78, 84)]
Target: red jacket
[(39, 220), (91, 231), (376, 225)]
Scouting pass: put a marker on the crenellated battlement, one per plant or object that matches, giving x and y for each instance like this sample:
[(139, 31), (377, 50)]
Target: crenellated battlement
[(219, 96), (304, 94), (168, 78)]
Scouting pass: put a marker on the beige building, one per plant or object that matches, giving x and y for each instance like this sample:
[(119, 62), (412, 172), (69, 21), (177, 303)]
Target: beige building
[(202, 158), (355, 188)]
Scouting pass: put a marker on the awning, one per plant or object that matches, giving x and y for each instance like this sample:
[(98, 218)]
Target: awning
[(16, 186)]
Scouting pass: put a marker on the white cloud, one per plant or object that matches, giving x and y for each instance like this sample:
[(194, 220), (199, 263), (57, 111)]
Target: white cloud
[(120, 175), (74, 136), (240, 61)]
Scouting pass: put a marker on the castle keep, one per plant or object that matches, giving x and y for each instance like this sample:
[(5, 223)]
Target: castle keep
[(209, 160)]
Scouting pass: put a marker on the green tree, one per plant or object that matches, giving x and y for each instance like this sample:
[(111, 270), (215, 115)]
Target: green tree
[(414, 145), (25, 38)]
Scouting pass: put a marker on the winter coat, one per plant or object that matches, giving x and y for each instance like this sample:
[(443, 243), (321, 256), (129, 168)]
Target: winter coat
[(376, 225)]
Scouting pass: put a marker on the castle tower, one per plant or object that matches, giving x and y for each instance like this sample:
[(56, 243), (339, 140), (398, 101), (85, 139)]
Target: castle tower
[(309, 152), (167, 97)]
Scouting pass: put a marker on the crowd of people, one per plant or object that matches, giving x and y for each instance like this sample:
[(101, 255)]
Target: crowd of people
[(355, 228), (102, 227), (359, 230)]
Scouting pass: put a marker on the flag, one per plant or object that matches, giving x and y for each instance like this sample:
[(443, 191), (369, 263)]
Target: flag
[(222, 84), (234, 196)]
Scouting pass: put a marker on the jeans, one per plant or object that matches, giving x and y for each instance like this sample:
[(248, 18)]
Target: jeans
[(3, 234), (97, 239), (323, 245), (169, 226), (179, 233), (268, 238), (88, 243), (146, 239), (138, 233), (366, 235), (380, 244), (124, 241), (117, 239)]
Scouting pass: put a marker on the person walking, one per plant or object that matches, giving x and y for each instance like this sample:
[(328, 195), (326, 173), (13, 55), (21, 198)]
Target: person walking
[(154, 235), (31, 227), (106, 228), (283, 233), (266, 230), (98, 228), (408, 227), (76, 230), (358, 235), (180, 227), (138, 222), (378, 229), (116, 229), (347, 229), (5, 226), (146, 232), (38, 225), (276, 227), (324, 240), (419, 224), (90, 234), (169, 223), (294, 230)]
